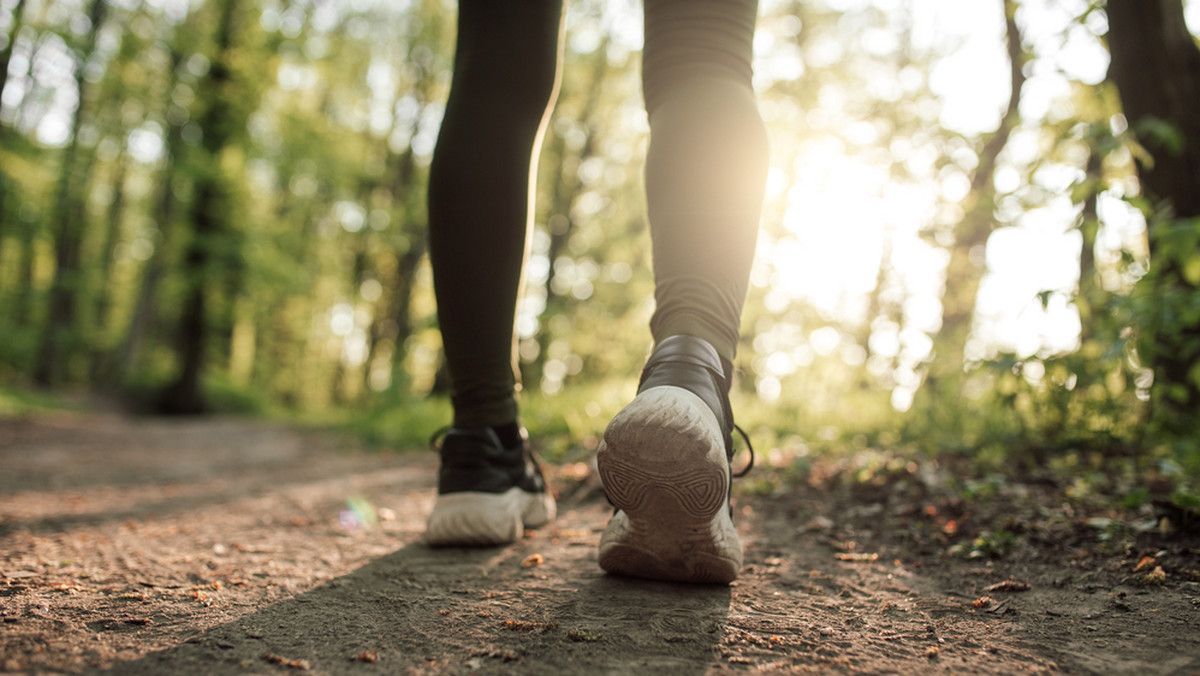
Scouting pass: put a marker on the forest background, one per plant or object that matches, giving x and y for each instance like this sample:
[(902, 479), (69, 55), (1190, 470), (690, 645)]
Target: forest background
[(980, 238)]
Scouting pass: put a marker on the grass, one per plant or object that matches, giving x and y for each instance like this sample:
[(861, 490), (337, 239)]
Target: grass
[(20, 402), (564, 427)]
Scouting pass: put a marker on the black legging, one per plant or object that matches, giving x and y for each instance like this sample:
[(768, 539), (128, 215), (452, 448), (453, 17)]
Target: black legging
[(705, 173)]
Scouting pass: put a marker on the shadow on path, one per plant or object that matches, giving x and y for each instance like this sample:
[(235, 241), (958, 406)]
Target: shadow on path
[(459, 610)]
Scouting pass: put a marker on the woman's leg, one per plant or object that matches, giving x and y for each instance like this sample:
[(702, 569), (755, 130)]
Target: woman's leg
[(706, 167), (480, 184), (665, 459)]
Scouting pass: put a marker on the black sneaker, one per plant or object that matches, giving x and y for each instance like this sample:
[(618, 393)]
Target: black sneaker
[(487, 494), (665, 466)]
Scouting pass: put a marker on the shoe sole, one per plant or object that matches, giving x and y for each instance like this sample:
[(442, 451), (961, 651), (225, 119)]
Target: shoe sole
[(486, 519), (663, 465)]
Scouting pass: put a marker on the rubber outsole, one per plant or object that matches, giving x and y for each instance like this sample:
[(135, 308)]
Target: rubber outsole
[(663, 465), (486, 519)]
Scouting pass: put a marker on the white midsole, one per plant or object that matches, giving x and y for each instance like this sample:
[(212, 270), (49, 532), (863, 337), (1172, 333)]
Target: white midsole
[(477, 518)]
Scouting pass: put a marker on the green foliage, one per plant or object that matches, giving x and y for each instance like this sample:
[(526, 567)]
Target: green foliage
[(1166, 312), (226, 397), (407, 423), (18, 402), (1161, 134), (987, 545), (1136, 497), (984, 488), (564, 427), (1185, 500)]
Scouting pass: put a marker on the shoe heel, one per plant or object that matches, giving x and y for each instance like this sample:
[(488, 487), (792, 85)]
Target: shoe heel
[(662, 463), (663, 458)]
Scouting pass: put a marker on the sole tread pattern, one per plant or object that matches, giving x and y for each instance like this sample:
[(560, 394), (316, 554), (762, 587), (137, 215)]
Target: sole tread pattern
[(662, 464), (698, 493)]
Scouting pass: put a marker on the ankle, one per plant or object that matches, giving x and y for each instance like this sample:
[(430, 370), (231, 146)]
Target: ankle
[(511, 434)]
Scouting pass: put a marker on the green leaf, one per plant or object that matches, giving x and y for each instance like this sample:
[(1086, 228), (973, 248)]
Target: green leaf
[(1186, 500)]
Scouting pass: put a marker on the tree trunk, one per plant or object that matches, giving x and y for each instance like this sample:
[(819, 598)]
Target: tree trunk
[(559, 222), (400, 309), (344, 389), (6, 188), (104, 287), (26, 275), (875, 305), (1156, 67), (6, 185), (18, 14), (128, 361), (66, 222), (965, 269), (1091, 296), (210, 208)]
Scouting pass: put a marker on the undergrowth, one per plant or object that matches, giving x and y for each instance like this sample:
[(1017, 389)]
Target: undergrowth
[(1009, 428)]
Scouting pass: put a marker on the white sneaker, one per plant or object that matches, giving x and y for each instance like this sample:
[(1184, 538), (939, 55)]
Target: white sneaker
[(665, 466), (487, 494)]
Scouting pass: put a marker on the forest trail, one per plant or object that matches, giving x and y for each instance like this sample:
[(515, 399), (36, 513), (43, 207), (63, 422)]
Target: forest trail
[(230, 546)]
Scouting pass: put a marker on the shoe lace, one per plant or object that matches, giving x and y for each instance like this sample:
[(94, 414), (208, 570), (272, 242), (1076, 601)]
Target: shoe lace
[(749, 447), (437, 437)]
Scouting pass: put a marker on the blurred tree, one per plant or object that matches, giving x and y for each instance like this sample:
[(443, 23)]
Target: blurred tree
[(103, 290), (6, 186), (14, 28), (67, 221), (426, 63), (965, 269), (128, 359), (213, 251), (572, 142), (1156, 68), (125, 91)]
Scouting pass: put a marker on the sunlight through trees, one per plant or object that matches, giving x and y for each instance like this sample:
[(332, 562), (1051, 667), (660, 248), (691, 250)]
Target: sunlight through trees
[(207, 203)]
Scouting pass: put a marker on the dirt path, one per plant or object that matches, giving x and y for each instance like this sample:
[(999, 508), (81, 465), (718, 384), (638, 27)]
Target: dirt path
[(226, 546)]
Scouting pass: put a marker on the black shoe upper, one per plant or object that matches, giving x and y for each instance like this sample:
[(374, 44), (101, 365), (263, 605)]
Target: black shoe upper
[(691, 363), (474, 459)]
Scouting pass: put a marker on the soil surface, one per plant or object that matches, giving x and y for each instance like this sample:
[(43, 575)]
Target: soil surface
[(223, 545)]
